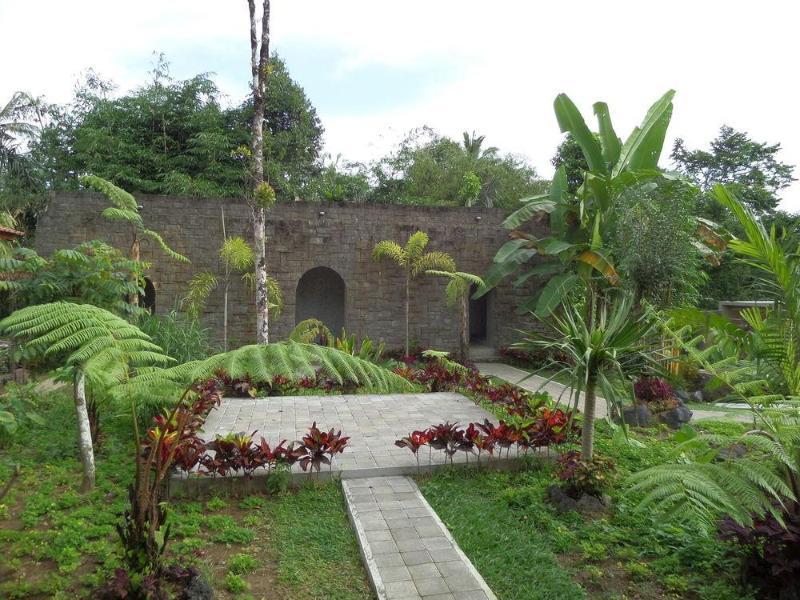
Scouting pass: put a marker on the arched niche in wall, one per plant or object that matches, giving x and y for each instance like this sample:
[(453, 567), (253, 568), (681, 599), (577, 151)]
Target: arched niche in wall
[(320, 295), (147, 300)]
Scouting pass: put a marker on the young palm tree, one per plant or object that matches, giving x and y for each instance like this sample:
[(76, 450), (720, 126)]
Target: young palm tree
[(237, 257), (100, 347), (413, 260), (598, 353), (457, 293)]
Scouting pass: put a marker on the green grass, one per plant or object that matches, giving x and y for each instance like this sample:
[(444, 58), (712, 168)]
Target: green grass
[(525, 550), (57, 543)]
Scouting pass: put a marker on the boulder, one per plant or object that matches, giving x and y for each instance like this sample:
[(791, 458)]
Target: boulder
[(591, 506), (675, 417), (587, 505), (198, 589), (638, 415), (697, 396), (561, 500)]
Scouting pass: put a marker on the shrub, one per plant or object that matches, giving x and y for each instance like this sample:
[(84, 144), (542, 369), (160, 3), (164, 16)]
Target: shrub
[(235, 584), (17, 409), (592, 477), (242, 564), (180, 336)]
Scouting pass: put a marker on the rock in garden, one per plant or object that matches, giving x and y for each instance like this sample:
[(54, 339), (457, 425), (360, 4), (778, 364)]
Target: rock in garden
[(591, 506), (561, 500), (675, 417), (638, 415), (198, 589)]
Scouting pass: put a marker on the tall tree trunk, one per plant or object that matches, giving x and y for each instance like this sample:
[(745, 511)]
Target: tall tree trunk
[(464, 337), (587, 438), (227, 287), (259, 59), (262, 301), (84, 432), (408, 302)]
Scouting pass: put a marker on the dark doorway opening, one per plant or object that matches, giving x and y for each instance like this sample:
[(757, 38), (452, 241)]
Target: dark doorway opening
[(478, 318), (147, 300), (320, 295)]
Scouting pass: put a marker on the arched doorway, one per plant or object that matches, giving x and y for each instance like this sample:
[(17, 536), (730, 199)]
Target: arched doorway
[(147, 300), (320, 295)]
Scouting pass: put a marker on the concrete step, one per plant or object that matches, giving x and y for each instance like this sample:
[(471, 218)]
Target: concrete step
[(481, 353), (407, 550)]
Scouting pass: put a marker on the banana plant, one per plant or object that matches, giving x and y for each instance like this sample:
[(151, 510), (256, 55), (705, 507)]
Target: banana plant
[(578, 221)]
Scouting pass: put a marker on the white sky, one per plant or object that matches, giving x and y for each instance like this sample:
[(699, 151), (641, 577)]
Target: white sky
[(499, 64)]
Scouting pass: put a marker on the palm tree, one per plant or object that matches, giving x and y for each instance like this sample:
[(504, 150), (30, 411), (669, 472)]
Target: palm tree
[(100, 347), (237, 256), (13, 126), (596, 353), (473, 147), (457, 293), (413, 260)]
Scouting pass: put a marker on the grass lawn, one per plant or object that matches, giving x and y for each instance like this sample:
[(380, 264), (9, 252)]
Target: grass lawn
[(525, 550), (57, 543)]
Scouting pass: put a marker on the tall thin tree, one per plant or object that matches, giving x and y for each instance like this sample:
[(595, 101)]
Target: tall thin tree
[(263, 196)]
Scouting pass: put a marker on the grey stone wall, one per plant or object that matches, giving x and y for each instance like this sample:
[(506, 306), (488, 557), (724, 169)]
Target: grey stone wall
[(302, 236)]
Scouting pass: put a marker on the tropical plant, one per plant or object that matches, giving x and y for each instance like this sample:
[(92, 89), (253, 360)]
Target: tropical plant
[(179, 335), (237, 256), (457, 293), (17, 410), (98, 348), (91, 273), (580, 476), (413, 261), (125, 208), (311, 331), (752, 478), (596, 355), (579, 221)]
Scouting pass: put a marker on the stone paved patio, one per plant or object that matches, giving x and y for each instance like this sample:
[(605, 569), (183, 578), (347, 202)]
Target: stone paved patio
[(373, 423), (407, 550)]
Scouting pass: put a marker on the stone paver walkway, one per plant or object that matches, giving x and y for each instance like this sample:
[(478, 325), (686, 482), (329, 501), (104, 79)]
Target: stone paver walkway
[(535, 383), (557, 390), (373, 423), (407, 550)]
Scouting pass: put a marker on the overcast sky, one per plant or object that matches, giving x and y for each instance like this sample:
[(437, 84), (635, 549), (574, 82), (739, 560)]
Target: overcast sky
[(375, 69)]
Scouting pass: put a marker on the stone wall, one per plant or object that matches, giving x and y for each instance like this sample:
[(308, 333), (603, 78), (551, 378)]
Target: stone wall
[(302, 236)]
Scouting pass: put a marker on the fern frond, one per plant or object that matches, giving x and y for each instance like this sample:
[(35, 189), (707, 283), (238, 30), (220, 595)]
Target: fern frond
[(310, 330), (433, 261), (391, 250), (237, 254), (200, 287)]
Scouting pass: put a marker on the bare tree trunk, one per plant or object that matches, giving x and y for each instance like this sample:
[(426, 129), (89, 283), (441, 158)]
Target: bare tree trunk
[(227, 287), (408, 301), (259, 59), (587, 439), (464, 338), (84, 432)]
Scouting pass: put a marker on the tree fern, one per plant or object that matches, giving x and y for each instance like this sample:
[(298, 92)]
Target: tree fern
[(125, 208), (96, 345), (262, 362), (309, 331)]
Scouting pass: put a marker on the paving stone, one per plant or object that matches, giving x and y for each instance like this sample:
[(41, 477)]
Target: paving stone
[(428, 587), (390, 574), (394, 559), (383, 547), (405, 533), (418, 557), (399, 590), (462, 583), (424, 571)]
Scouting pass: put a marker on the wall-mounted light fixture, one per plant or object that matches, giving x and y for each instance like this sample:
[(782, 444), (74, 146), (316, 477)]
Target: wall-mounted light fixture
[(322, 213), (140, 207), (478, 218)]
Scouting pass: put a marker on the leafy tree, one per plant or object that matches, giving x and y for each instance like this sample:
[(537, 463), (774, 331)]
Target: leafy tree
[(653, 240), (458, 292), (413, 261), (570, 156), (95, 345), (748, 168), (176, 137), (339, 183), (598, 353), (92, 273), (430, 169)]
